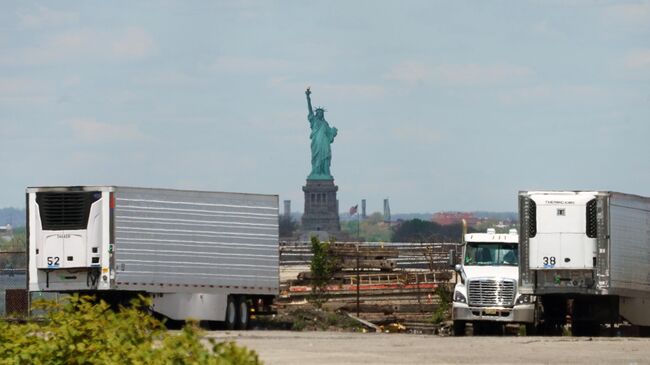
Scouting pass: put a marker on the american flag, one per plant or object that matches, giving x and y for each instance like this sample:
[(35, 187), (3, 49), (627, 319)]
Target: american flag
[(353, 209)]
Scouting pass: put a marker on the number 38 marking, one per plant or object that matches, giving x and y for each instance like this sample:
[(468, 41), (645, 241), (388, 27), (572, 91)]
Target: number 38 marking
[(549, 260)]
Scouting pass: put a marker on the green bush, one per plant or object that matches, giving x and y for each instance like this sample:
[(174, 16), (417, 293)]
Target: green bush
[(442, 313), (84, 331), (298, 325), (321, 320), (322, 268)]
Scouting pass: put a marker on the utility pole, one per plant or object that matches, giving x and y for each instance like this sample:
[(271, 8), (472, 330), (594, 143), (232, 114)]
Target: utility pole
[(358, 228), (358, 280)]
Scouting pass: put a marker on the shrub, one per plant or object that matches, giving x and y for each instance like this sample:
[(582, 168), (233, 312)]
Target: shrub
[(320, 320), (442, 313), (322, 268), (86, 331), (298, 325)]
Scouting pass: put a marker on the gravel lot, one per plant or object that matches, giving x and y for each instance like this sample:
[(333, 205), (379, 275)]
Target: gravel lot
[(314, 348)]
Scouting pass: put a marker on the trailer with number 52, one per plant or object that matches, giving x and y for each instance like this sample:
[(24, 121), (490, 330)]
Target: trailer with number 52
[(209, 256)]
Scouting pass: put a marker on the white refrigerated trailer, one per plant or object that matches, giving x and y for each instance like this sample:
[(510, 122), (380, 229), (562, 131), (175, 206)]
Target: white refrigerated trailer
[(201, 255), (586, 256)]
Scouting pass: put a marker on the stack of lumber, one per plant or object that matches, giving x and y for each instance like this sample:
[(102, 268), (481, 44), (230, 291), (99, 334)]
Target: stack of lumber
[(422, 256), (367, 277), (363, 257)]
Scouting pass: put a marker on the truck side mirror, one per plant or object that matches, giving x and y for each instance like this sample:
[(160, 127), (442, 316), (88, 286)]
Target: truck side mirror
[(458, 268), (452, 257)]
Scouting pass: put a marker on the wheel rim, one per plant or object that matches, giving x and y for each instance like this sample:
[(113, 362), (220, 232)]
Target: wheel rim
[(231, 312), (243, 313)]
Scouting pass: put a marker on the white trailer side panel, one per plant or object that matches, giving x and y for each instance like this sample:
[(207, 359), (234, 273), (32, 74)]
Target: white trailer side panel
[(191, 241), (629, 220)]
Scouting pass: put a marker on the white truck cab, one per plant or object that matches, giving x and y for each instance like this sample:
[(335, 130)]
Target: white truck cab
[(486, 292)]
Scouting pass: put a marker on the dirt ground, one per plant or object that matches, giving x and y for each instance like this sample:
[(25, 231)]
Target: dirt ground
[(340, 348)]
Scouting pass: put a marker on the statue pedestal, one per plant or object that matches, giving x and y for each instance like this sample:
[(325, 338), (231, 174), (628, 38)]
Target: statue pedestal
[(321, 207)]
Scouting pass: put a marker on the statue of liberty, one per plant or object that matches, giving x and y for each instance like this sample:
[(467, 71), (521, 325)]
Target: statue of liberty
[(322, 135)]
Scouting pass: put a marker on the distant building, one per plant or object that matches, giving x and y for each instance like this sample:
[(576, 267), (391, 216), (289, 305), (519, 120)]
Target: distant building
[(447, 218), (502, 225), (6, 232), (287, 208), (386, 211)]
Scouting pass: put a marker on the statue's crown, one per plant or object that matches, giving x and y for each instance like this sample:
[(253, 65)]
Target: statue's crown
[(321, 109)]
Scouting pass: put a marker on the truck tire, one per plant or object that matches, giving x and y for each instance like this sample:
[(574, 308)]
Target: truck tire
[(231, 313), (243, 314), (459, 328)]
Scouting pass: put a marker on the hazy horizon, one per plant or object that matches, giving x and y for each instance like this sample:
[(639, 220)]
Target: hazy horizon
[(440, 106)]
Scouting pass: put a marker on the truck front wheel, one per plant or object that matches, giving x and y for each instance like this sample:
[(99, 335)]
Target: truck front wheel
[(459, 328)]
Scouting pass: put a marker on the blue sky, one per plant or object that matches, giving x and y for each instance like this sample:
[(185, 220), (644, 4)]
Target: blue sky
[(439, 105)]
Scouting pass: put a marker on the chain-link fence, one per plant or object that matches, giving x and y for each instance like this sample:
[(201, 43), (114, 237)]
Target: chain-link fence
[(13, 283), (14, 297)]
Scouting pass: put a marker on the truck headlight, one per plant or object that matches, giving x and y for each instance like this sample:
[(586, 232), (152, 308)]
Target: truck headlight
[(523, 299), (459, 297)]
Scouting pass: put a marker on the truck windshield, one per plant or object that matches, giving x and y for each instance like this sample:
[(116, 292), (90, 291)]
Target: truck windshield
[(483, 253)]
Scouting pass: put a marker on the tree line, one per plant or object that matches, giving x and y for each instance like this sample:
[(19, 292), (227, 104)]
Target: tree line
[(12, 252), (375, 229)]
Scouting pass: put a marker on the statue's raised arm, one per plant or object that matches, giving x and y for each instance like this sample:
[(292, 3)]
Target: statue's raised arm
[(308, 93)]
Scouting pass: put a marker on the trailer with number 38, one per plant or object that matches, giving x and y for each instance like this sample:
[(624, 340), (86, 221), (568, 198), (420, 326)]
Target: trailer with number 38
[(585, 255)]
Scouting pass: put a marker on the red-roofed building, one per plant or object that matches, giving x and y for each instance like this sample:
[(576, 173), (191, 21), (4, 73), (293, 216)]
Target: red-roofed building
[(447, 218)]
